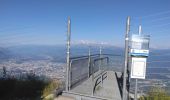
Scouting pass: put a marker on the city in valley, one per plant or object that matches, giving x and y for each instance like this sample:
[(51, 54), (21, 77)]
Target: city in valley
[(47, 68)]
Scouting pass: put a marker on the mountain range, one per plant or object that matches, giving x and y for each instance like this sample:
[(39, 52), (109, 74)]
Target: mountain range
[(58, 52)]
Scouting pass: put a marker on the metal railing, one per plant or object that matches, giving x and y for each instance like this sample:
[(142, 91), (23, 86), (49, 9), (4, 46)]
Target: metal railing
[(80, 69), (94, 67), (97, 78)]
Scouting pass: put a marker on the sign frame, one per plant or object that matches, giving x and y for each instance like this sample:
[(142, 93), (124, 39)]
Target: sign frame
[(138, 68)]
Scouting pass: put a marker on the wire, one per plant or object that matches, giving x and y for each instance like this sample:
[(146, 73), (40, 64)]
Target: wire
[(159, 19), (154, 14), (160, 25)]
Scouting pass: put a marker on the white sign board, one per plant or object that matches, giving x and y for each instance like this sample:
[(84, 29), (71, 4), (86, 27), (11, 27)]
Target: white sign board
[(138, 68)]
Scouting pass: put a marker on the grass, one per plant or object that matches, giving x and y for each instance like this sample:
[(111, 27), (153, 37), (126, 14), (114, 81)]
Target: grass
[(156, 93)]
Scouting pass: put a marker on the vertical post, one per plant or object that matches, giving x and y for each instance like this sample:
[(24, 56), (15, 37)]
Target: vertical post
[(89, 62), (107, 68), (68, 53), (100, 57), (92, 79), (126, 58), (70, 73), (136, 84), (101, 66), (136, 89)]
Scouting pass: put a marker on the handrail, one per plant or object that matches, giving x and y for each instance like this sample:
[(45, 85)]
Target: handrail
[(100, 75), (99, 69), (95, 55), (101, 78), (76, 59), (84, 56), (80, 58), (102, 59), (71, 61), (112, 54)]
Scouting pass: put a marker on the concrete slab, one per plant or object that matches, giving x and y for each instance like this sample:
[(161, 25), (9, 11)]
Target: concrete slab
[(65, 98), (109, 90)]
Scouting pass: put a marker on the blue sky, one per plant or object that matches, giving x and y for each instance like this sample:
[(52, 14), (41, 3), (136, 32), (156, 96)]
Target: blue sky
[(45, 21)]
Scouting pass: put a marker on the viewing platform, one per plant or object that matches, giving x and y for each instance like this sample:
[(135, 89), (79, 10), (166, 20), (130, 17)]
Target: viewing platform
[(91, 78), (109, 90)]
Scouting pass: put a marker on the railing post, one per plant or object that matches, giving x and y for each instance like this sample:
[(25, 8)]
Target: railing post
[(92, 79), (107, 64), (89, 62), (70, 74)]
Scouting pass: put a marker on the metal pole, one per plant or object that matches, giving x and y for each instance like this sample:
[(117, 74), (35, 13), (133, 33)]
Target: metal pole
[(136, 89), (68, 53), (89, 62), (126, 58), (69, 82), (136, 84), (92, 81), (101, 65), (100, 57)]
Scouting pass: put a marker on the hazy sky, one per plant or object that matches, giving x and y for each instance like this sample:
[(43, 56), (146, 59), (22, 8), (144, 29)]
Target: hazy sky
[(45, 21)]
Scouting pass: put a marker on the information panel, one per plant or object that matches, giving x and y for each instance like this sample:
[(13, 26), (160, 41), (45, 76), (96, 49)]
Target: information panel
[(137, 52), (138, 68)]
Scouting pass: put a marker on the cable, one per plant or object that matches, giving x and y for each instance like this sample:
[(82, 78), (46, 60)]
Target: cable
[(159, 19), (160, 25), (154, 14)]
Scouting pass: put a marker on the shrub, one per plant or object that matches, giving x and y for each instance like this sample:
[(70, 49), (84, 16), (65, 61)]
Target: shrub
[(156, 93), (29, 88), (50, 87)]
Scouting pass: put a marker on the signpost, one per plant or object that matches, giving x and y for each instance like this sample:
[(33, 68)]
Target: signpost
[(139, 53)]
